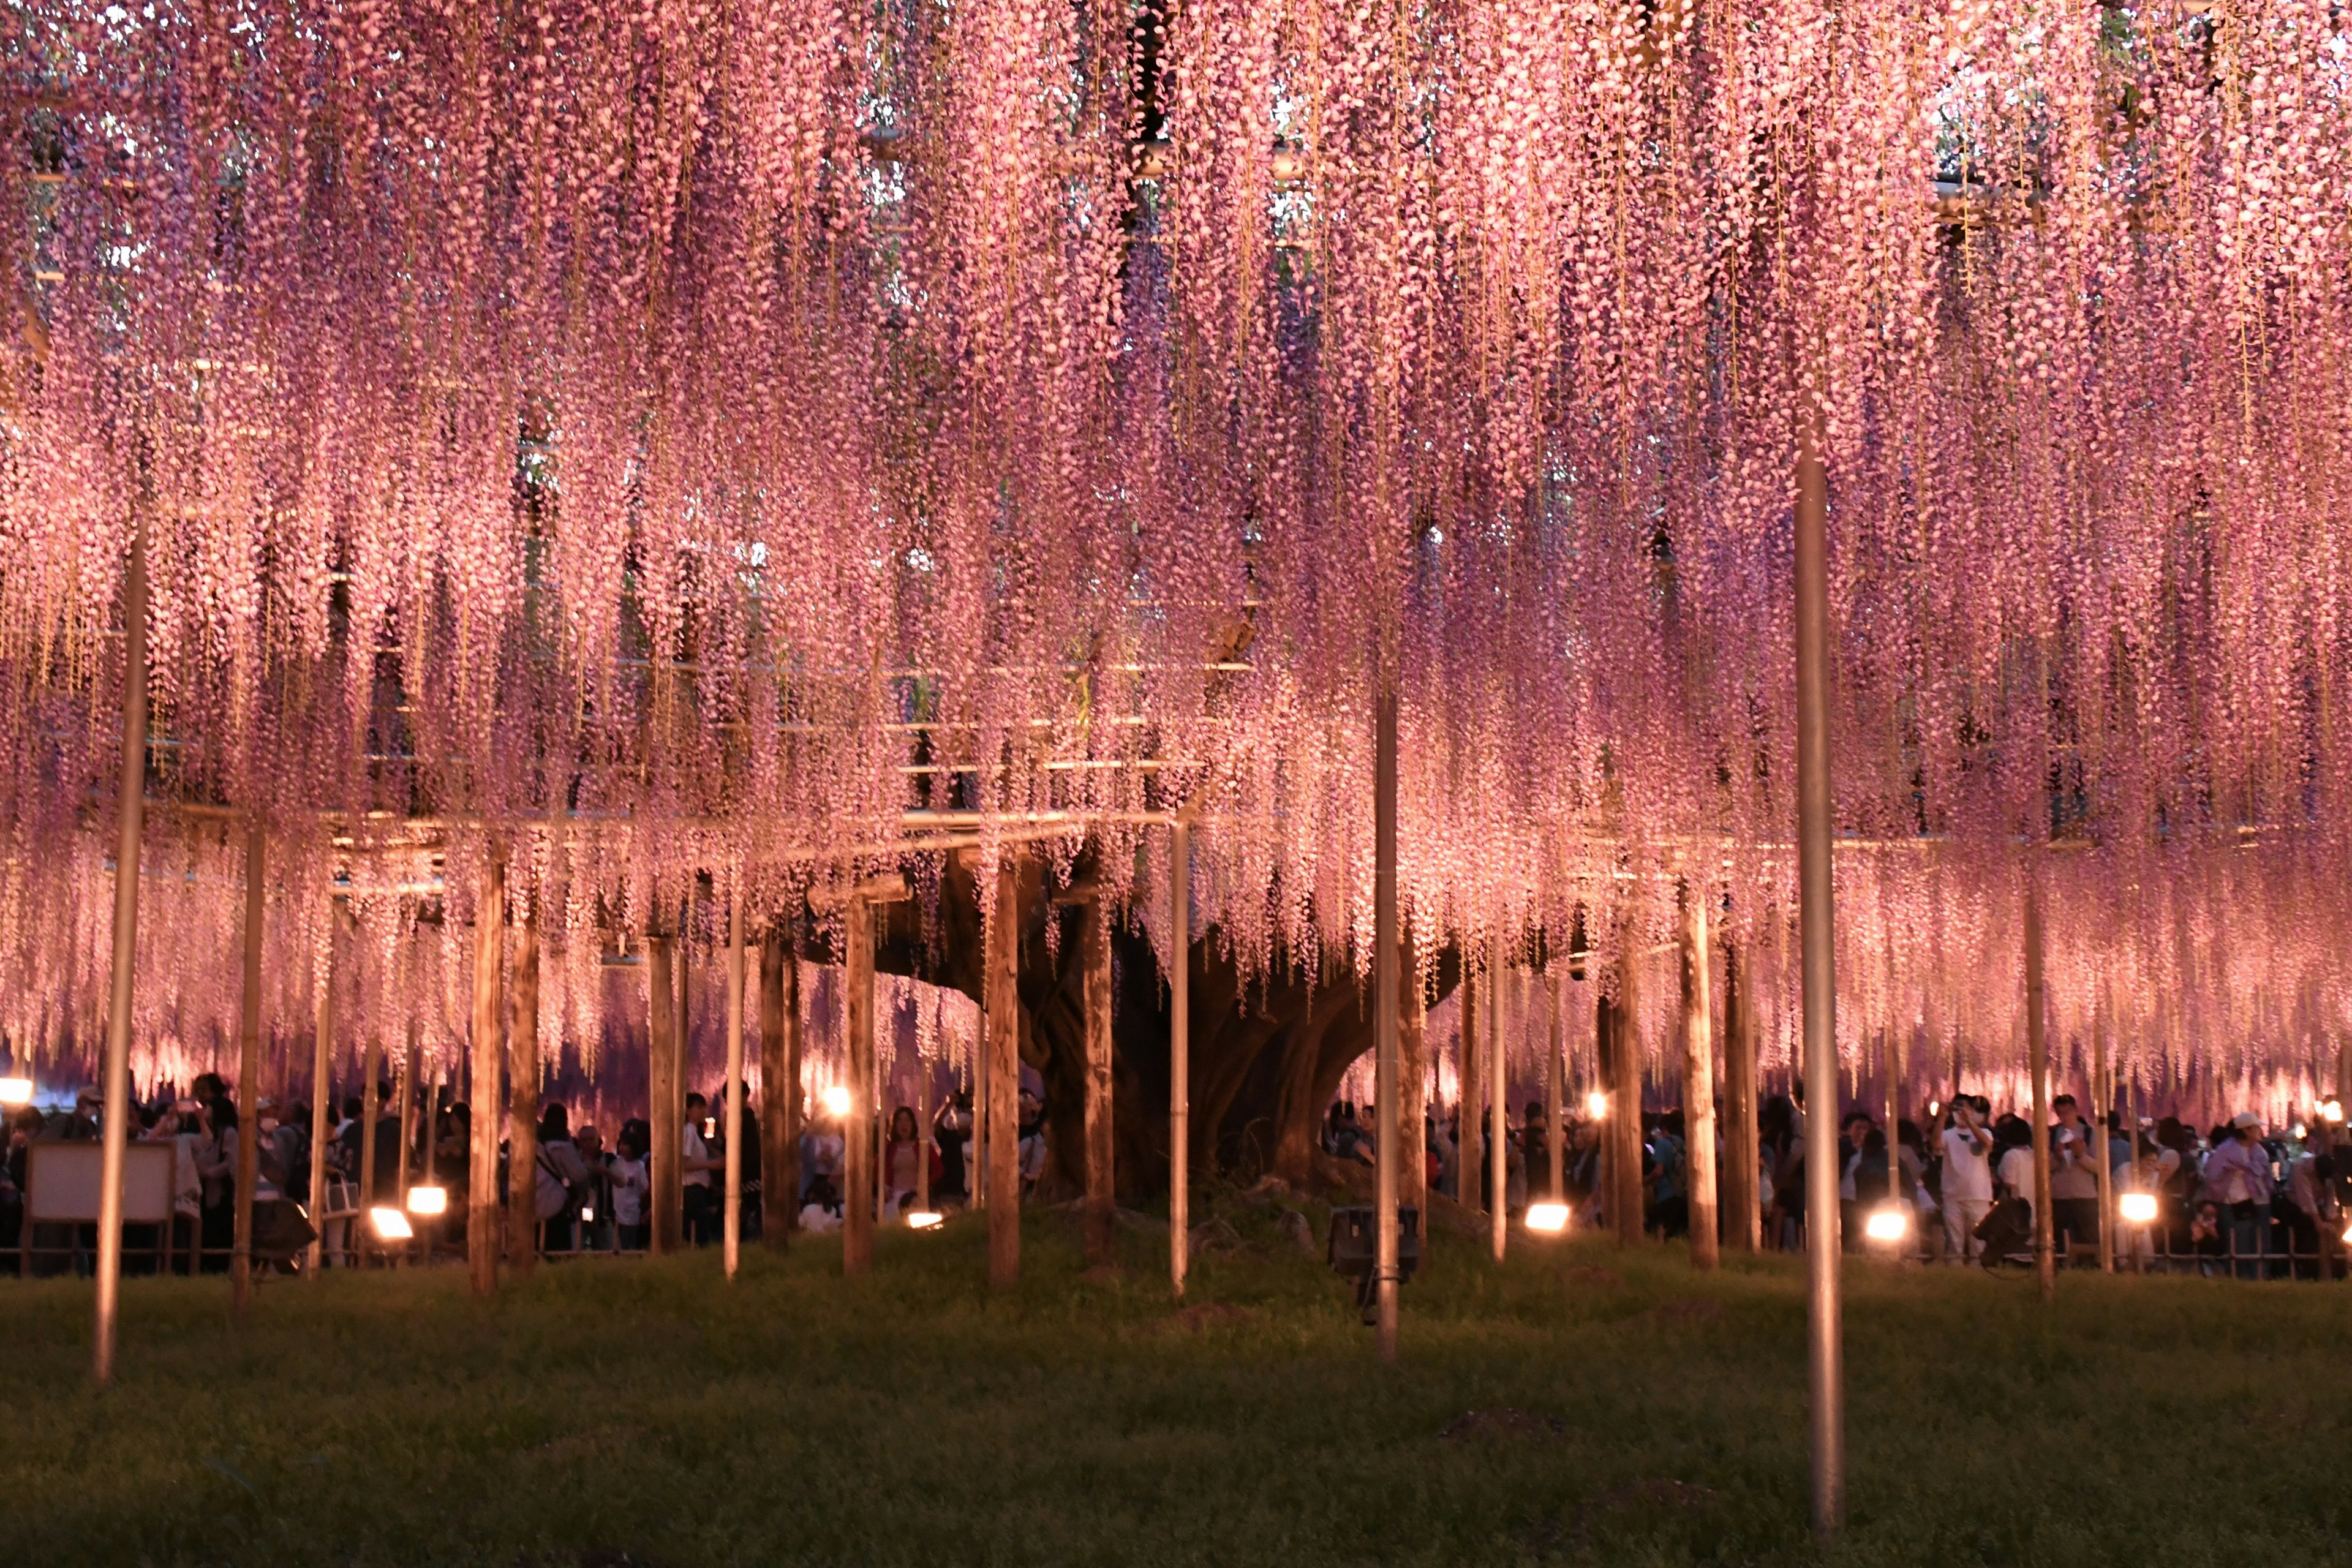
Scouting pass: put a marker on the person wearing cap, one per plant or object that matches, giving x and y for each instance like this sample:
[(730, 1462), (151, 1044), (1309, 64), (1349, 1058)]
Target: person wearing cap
[(2238, 1181)]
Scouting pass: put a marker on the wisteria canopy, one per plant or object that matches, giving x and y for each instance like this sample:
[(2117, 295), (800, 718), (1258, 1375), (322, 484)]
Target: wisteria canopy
[(765, 440)]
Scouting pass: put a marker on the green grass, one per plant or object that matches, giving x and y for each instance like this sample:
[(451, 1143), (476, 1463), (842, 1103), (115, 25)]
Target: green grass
[(910, 1418)]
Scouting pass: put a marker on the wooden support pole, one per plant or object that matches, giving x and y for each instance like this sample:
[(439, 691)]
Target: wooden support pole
[(1628, 1204), (522, 1101), (1101, 1216), (1894, 1064), (780, 1091), (1698, 1077), (370, 1069), (2037, 1051), (1469, 1135), (249, 1077), (730, 1222), (665, 1100), (1180, 1054), (2103, 1099), (483, 1226), (1412, 1088), (129, 806), (1817, 920), (922, 1132), (1003, 1000), (407, 1117), (857, 1127), (1604, 1078), (323, 1037), (1742, 1157), (1387, 1000), (1555, 1105), (1499, 1126)]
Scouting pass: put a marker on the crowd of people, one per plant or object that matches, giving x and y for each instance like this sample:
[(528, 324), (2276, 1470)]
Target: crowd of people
[(587, 1196), (2242, 1199)]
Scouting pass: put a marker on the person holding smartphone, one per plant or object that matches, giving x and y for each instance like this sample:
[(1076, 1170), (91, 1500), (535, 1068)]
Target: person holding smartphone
[(1968, 1176)]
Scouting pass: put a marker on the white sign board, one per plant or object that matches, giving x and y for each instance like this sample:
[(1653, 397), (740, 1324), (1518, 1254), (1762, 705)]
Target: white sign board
[(61, 1182)]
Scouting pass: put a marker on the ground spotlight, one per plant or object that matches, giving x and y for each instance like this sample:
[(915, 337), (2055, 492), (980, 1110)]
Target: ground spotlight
[(1549, 1218), (2136, 1208), (1887, 1224), (837, 1101), (16, 1091), (389, 1224), (1596, 1105), (923, 1219), (429, 1201)]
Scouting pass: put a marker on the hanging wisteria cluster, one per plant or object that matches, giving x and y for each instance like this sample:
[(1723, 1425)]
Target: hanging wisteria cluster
[(756, 437)]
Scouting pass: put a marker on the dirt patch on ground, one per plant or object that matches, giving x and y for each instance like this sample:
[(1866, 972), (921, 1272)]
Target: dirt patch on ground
[(1199, 1318), (1688, 1310), (1501, 1423)]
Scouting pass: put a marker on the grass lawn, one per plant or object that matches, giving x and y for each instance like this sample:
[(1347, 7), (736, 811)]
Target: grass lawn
[(613, 1412)]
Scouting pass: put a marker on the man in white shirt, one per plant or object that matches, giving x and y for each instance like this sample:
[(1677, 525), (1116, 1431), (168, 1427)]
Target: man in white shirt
[(1968, 1177)]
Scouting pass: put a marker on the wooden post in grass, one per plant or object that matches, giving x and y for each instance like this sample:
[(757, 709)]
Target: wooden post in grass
[(1003, 1002), (1180, 1054), (1555, 1109), (2037, 1050), (857, 1125), (1469, 1136), (1742, 1159), (665, 1100), (861, 1171), (522, 1101), (2102, 1102), (1698, 1077), (408, 1069), (730, 1221), (370, 1069), (780, 1088), (1412, 1088), (322, 1034), (248, 1079), (1498, 1128), (1604, 1080), (1102, 1198), (483, 1217)]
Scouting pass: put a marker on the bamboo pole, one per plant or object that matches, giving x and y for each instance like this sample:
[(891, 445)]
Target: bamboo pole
[(1742, 1159), (665, 1112), (1698, 1078), (1628, 1202), (780, 1089), (322, 1035), (407, 1122), (2037, 1050), (1499, 1126), (249, 1077), (483, 1218), (370, 1069), (1470, 1105), (1387, 998), (130, 787), (1101, 1212), (1824, 1309), (522, 1102), (1179, 1053), (1412, 1086), (1555, 1108), (1893, 1065), (857, 1130), (732, 1221), (2103, 1098), (922, 1132), (1002, 989)]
